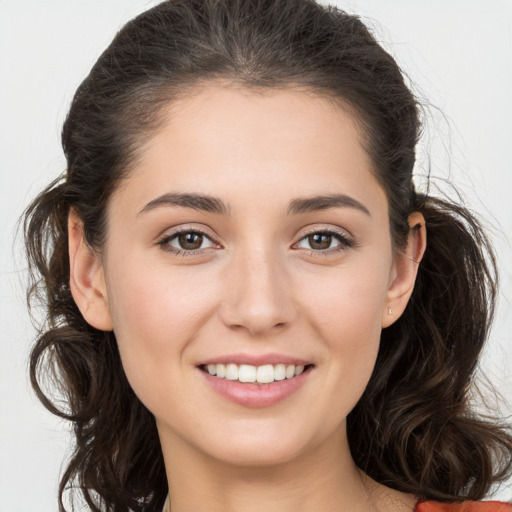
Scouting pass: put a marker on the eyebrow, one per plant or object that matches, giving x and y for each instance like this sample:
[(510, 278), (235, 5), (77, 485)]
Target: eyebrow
[(212, 204), (196, 201), (324, 202)]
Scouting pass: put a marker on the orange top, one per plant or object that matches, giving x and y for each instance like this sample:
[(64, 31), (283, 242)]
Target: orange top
[(465, 506)]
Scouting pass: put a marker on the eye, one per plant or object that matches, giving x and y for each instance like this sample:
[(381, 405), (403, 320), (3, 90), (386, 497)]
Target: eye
[(326, 241), (186, 242)]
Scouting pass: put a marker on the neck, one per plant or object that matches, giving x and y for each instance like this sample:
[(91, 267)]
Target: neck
[(323, 478)]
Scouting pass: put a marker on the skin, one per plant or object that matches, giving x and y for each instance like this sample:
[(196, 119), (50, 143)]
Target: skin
[(256, 285)]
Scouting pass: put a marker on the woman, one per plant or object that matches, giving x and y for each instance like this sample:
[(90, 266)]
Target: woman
[(250, 306)]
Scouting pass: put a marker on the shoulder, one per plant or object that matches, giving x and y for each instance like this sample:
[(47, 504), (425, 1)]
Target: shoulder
[(465, 506)]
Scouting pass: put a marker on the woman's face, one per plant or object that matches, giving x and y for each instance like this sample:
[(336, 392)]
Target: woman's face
[(251, 232)]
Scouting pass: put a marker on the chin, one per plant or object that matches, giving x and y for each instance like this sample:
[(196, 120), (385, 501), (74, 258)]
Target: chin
[(257, 456), (261, 447)]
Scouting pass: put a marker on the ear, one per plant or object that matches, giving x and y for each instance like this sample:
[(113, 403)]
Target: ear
[(87, 279), (404, 271)]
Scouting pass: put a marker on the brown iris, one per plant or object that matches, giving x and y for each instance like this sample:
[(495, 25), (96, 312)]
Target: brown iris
[(190, 241), (320, 241)]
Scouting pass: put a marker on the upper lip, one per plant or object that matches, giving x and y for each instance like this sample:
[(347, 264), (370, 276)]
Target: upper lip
[(256, 360)]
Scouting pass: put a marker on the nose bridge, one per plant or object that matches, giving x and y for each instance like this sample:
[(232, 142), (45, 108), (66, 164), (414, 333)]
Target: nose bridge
[(258, 296)]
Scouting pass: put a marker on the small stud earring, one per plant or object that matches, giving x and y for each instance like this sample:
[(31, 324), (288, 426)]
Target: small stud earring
[(390, 311)]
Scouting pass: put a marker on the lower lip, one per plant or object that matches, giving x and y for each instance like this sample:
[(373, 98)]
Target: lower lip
[(256, 395)]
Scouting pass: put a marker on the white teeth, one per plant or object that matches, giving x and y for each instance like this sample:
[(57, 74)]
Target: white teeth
[(265, 374), (221, 370), (261, 374), (279, 372), (247, 373), (290, 371), (231, 372)]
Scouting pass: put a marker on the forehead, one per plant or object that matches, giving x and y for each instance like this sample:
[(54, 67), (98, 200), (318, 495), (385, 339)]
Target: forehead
[(242, 142)]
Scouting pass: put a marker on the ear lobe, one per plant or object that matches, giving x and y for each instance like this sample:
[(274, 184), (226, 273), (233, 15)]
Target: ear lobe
[(405, 270), (86, 279)]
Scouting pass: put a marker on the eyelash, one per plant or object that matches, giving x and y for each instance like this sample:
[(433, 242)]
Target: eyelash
[(164, 242), (344, 242)]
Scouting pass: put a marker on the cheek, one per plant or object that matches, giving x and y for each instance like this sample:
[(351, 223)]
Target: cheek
[(350, 300), (345, 314), (156, 314), (153, 306)]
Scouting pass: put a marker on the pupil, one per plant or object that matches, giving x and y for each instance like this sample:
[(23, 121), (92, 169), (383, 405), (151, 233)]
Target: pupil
[(190, 240), (320, 241)]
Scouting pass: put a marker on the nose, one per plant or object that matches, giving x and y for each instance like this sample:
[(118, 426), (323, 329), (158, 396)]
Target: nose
[(258, 294)]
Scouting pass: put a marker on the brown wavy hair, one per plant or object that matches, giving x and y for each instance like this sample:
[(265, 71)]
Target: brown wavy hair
[(414, 428)]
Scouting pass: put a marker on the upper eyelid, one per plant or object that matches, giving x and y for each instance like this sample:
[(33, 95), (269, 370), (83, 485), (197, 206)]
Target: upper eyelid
[(192, 229), (323, 230), (172, 232), (343, 233)]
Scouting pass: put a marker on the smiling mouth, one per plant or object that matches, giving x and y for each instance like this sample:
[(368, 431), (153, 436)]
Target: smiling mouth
[(246, 373)]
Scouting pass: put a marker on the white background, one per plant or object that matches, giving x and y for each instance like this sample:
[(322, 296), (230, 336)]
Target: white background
[(459, 55)]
